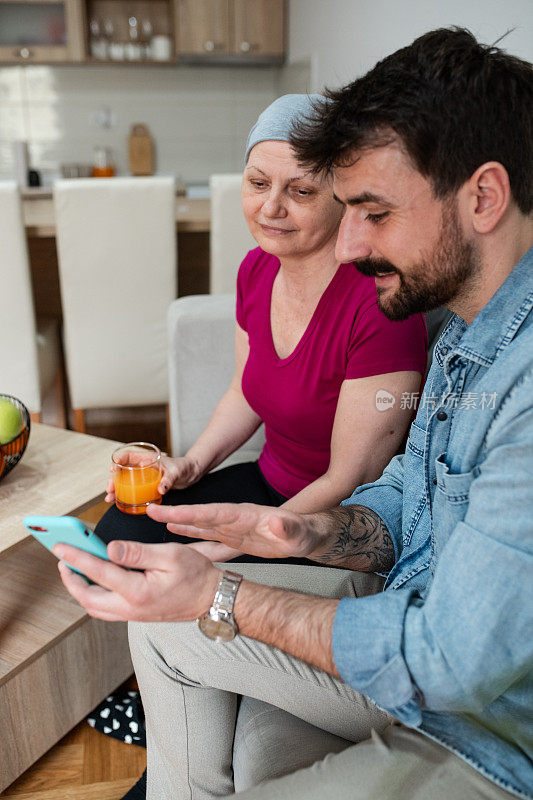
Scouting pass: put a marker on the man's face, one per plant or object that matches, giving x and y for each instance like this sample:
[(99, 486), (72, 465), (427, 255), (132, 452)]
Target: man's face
[(397, 232)]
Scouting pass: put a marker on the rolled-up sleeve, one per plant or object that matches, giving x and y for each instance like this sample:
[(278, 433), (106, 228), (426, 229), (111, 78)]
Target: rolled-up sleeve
[(385, 498), (470, 638)]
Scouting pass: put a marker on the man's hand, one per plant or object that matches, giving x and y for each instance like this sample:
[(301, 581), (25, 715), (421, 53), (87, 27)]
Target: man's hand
[(257, 530), (215, 551), (178, 583), (351, 537)]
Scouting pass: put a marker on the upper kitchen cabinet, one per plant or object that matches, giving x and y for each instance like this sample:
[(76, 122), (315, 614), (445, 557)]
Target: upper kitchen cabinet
[(130, 30), (259, 28), (41, 31), (203, 27), (90, 31), (230, 31)]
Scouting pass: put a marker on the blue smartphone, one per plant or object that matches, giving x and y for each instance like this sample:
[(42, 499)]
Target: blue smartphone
[(66, 530)]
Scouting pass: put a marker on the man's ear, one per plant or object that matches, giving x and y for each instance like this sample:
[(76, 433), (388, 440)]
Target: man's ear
[(489, 195)]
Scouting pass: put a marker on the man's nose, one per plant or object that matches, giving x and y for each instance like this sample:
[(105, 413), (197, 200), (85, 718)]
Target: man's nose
[(352, 243)]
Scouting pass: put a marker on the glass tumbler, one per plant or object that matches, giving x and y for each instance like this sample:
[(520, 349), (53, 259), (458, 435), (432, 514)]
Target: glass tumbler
[(137, 473)]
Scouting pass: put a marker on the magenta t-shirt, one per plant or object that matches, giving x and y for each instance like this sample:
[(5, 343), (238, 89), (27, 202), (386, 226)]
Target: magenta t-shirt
[(296, 397)]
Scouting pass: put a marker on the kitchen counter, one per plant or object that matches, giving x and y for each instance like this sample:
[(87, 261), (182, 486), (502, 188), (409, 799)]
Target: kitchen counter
[(192, 214)]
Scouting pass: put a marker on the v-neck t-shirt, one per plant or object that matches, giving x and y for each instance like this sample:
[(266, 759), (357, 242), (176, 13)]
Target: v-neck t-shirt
[(296, 397)]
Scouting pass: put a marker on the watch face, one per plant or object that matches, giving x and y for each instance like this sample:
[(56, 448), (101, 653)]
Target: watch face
[(217, 629)]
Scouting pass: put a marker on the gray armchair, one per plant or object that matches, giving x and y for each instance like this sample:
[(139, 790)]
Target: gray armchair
[(201, 351)]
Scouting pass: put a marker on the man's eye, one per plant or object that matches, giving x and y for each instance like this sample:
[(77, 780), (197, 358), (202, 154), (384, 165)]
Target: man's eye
[(375, 218), (257, 184)]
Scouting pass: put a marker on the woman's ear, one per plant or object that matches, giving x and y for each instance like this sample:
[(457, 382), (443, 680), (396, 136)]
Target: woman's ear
[(489, 195)]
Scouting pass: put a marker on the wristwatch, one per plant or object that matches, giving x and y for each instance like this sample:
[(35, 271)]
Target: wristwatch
[(218, 623)]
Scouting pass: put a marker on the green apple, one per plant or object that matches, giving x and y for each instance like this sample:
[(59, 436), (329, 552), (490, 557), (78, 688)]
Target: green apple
[(11, 421)]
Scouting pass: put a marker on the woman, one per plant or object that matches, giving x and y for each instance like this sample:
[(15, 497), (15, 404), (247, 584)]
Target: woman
[(312, 350)]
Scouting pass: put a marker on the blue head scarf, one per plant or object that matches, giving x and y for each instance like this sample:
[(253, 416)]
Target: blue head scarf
[(276, 121)]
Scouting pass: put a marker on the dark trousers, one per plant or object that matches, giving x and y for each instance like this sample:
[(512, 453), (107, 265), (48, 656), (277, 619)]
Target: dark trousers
[(240, 483)]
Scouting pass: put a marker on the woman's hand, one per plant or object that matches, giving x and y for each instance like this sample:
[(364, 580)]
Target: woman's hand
[(178, 473)]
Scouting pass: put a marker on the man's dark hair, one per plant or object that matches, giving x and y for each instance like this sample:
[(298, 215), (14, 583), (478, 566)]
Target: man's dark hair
[(453, 103)]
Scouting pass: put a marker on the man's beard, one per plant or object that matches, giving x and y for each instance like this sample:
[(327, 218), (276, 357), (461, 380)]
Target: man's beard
[(436, 280)]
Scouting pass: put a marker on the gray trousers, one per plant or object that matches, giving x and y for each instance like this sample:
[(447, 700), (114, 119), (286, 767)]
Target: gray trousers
[(300, 734)]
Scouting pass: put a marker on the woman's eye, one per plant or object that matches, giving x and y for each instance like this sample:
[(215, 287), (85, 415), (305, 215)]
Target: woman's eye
[(375, 218), (302, 192)]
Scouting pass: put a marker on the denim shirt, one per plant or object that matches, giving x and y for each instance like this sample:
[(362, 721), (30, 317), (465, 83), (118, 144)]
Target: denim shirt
[(447, 647)]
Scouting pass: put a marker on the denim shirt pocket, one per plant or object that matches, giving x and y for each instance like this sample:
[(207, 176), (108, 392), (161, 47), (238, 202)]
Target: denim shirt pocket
[(417, 440), (451, 498), (414, 488)]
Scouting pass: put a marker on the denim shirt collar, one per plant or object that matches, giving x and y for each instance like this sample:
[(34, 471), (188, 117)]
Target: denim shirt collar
[(496, 324)]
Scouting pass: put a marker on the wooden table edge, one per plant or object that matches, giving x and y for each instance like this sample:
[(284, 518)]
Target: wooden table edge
[(73, 513)]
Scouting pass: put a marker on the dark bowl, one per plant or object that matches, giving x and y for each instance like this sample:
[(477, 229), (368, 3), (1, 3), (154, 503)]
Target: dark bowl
[(11, 452)]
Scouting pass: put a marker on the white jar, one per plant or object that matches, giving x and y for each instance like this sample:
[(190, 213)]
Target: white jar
[(116, 51), (133, 51), (99, 49), (161, 48)]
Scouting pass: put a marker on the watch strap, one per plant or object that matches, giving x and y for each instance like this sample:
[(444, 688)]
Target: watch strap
[(224, 598)]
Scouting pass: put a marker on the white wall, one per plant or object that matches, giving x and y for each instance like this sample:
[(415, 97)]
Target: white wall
[(344, 38), (199, 117)]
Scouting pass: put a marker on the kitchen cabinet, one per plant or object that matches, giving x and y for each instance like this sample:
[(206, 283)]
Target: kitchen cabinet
[(105, 31), (202, 27), (41, 31), (129, 30), (239, 31), (259, 28)]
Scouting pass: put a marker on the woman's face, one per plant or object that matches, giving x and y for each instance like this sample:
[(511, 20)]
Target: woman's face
[(289, 211)]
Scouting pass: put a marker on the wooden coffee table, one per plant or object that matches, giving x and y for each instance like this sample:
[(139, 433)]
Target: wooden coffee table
[(56, 662)]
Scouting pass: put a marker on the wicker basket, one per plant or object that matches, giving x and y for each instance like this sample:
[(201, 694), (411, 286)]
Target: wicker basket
[(12, 452)]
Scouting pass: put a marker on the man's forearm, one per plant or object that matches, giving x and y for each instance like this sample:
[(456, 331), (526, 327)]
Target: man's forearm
[(352, 537), (298, 624)]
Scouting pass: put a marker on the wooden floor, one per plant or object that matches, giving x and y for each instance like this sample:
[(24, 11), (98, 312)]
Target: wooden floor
[(85, 765), (146, 423)]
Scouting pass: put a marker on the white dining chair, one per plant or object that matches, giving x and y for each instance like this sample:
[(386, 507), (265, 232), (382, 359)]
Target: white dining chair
[(116, 245), (30, 349), (230, 238), (201, 342)]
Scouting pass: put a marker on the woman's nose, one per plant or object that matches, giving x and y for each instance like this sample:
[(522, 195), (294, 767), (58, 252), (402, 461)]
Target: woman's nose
[(352, 242), (273, 205)]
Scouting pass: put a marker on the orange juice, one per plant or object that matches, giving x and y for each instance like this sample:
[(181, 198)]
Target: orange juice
[(103, 172), (135, 488)]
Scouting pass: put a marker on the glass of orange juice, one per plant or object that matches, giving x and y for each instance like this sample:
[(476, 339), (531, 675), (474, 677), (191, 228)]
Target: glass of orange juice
[(137, 474)]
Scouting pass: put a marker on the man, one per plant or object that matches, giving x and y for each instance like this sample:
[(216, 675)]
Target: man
[(425, 689)]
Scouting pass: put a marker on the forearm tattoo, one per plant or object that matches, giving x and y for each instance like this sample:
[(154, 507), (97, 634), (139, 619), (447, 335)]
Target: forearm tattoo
[(359, 540)]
